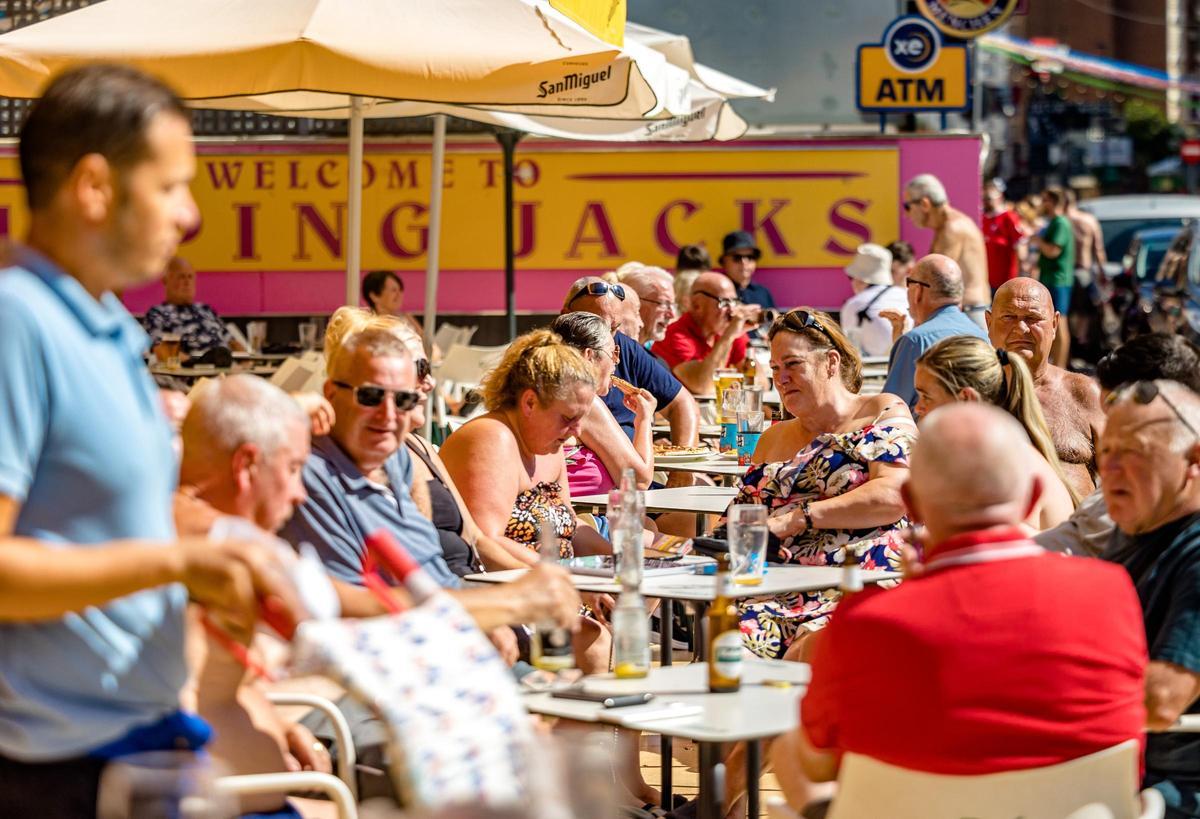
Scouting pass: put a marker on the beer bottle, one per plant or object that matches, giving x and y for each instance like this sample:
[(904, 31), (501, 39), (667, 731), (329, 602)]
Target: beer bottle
[(724, 636), (631, 637), (551, 648)]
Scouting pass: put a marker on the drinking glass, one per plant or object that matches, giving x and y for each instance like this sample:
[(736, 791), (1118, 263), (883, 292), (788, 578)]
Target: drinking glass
[(308, 335), (170, 344), (747, 543), (163, 785), (256, 335)]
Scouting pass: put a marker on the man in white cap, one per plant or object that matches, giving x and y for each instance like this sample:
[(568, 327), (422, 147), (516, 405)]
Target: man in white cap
[(870, 274)]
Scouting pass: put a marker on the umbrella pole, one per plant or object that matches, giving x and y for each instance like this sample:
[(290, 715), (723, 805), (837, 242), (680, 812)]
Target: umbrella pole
[(508, 144), (433, 252), (354, 203)]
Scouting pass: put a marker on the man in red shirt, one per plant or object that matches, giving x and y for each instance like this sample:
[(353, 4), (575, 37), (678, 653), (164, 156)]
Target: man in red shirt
[(709, 336), (1002, 234), (996, 655)]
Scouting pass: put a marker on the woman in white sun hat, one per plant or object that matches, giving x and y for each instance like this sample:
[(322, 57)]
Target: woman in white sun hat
[(870, 274)]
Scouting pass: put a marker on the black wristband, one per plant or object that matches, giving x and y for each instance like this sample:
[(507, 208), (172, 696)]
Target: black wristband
[(808, 524)]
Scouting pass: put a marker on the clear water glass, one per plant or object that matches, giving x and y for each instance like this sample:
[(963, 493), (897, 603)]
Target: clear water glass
[(747, 543)]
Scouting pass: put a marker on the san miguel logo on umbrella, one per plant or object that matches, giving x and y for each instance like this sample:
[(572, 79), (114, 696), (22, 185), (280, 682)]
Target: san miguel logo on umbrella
[(967, 18), (573, 82)]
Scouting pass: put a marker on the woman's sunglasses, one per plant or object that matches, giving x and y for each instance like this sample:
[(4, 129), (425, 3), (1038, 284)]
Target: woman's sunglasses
[(369, 396), (800, 320), (424, 369)]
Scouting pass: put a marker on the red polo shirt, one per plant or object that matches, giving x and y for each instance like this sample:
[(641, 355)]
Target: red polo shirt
[(683, 341), (1001, 657), (1001, 234)]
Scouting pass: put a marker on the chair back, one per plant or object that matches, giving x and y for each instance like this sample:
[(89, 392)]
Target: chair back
[(1106, 781), (463, 367), (449, 335)]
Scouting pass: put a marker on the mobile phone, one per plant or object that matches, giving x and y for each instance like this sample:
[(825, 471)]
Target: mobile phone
[(607, 700)]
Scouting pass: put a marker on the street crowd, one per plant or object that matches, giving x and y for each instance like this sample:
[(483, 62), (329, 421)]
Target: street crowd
[(1045, 523)]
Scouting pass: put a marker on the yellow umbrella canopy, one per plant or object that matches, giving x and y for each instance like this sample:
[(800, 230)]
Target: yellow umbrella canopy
[(471, 52)]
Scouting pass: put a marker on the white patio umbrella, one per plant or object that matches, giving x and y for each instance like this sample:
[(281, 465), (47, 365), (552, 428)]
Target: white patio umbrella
[(340, 57)]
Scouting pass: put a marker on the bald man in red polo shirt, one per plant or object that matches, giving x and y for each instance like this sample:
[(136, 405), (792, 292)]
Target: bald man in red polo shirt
[(996, 656), (709, 336)]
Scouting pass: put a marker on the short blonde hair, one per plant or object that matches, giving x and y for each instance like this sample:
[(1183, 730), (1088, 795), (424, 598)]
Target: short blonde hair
[(538, 361), (352, 327)]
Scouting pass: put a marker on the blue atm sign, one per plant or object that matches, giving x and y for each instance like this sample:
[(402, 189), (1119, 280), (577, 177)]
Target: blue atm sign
[(912, 70)]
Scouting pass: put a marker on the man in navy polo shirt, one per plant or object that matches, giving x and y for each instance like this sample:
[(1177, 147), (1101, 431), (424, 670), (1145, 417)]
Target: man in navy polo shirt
[(93, 583), (953, 642), (641, 369)]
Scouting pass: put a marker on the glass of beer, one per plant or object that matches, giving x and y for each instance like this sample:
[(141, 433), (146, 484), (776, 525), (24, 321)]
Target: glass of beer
[(308, 335), (256, 335), (747, 543), (170, 344)]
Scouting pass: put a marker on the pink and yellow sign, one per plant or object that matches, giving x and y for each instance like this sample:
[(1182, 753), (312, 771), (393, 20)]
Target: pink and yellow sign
[(273, 227)]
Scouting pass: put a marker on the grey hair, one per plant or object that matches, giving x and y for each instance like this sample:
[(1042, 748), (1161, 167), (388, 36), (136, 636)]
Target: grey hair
[(928, 186), (638, 275), (945, 276), (243, 409), (379, 342), (583, 331), (1183, 399)]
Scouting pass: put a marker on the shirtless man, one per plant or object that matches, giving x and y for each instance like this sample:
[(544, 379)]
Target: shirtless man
[(1023, 321), (955, 235), (1089, 237)]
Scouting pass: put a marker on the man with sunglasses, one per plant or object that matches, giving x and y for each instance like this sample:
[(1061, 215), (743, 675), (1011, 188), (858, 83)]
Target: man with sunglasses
[(935, 289), (955, 235), (709, 336), (1150, 474), (739, 261), (358, 477), (635, 365)]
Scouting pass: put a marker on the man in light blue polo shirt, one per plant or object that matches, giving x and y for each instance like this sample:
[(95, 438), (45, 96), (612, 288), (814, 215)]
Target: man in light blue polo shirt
[(935, 291), (91, 601), (358, 477)]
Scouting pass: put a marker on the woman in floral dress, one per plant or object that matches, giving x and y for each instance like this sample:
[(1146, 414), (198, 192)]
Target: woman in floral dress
[(830, 476)]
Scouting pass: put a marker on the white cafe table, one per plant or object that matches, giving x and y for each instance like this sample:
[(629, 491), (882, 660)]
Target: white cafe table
[(704, 430), (766, 705), (714, 464), (700, 500)]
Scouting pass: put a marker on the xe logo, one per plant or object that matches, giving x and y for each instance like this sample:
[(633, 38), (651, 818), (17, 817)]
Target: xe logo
[(911, 44)]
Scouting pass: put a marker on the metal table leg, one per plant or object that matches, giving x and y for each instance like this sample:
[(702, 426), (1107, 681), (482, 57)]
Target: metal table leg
[(700, 630), (753, 771), (712, 780), (666, 636), (667, 772)]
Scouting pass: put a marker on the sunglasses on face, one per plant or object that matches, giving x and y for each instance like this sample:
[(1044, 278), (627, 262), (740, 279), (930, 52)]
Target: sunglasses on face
[(1144, 392), (918, 283), (371, 396), (800, 320), (424, 369), (723, 303), (598, 289), (743, 257)]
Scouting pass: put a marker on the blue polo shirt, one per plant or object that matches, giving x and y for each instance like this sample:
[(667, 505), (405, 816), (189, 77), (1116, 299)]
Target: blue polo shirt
[(902, 364), (86, 451), (344, 506), (643, 370)]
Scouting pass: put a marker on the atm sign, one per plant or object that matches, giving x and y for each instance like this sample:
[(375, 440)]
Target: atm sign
[(912, 70)]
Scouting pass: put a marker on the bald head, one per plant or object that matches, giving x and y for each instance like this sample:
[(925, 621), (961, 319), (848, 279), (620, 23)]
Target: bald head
[(714, 284), (608, 306), (934, 282), (1023, 321), (969, 470)]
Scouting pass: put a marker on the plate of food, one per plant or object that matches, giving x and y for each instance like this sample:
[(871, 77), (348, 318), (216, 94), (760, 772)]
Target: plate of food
[(671, 454)]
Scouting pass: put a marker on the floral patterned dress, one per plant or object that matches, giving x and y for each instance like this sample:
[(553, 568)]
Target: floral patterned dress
[(834, 463), (537, 505)]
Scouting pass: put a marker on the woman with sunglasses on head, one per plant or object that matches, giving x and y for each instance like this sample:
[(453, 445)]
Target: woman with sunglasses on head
[(964, 368), (602, 452), (830, 476)]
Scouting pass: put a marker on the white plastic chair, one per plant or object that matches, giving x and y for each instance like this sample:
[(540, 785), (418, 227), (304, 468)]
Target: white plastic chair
[(449, 335), (342, 789), (1103, 784)]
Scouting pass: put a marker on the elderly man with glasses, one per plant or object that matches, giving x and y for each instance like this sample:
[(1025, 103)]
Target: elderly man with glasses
[(711, 335), (358, 477), (1150, 473), (656, 290), (935, 292), (592, 294)]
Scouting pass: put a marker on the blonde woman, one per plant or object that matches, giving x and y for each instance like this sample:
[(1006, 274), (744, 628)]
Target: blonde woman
[(965, 368)]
